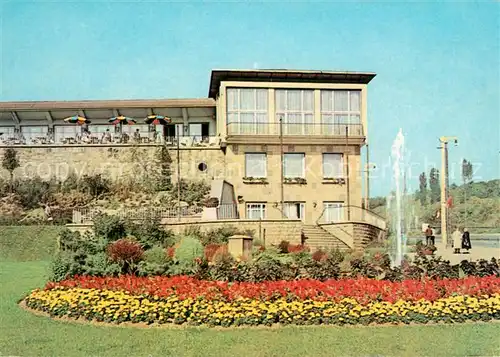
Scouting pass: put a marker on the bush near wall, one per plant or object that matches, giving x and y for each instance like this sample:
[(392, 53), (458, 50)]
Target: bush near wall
[(186, 300)]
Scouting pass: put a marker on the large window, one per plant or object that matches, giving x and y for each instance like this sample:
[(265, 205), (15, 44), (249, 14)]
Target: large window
[(341, 108), (247, 111), (332, 166), (294, 165), (255, 165), (34, 134), (333, 211), (256, 210), (8, 132), (62, 132), (131, 129), (296, 108)]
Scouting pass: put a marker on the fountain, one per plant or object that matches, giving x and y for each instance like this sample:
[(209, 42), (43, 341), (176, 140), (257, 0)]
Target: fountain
[(397, 214)]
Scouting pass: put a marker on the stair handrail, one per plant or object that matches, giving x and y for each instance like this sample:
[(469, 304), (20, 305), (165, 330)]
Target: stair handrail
[(381, 221)]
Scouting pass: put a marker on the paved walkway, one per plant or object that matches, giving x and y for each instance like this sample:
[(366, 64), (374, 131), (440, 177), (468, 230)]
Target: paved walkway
[(474, 254)]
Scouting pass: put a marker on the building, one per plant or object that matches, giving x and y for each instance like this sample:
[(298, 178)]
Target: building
[(288, 141)]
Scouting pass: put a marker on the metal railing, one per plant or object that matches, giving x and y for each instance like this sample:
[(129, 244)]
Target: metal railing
[(87, 215), (227, 211), (351, 213), (295, 129), (115, 139)]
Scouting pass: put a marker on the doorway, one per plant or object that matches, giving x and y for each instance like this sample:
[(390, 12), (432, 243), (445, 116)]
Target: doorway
[(295, 210)]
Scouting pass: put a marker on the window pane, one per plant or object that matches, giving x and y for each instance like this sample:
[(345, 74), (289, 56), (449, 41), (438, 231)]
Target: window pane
[(355, 101), (194, 129), (355, 119), (247, 98), (262, 125), (261, 99), (255, 165), (308, 100), (294, 100), (341, 119), (341, 104), (280, 100), (333, 211), (293, 165), (326, 100), (247, 125), (256, 211), (332, 165), (232, 99)]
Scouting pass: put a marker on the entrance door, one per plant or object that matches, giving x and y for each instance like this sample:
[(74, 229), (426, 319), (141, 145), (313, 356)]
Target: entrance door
[(295, 210)]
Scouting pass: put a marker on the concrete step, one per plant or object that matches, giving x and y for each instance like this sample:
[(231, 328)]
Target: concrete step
[(317, 237)]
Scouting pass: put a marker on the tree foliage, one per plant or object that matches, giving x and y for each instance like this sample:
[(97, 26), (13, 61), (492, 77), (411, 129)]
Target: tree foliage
[(435, 194), (421, 194)]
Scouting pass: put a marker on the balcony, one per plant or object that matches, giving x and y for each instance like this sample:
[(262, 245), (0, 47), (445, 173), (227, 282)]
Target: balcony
[(295, 133)]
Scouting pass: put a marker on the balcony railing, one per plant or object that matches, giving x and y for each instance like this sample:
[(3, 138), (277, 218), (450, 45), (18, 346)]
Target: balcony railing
[(295, 129)]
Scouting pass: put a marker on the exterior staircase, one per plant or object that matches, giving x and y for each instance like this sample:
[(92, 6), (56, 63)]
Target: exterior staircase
[(316, 238)]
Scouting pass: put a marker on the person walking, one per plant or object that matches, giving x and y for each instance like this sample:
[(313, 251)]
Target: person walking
[(457, 241), (466, 240), (428, 235)]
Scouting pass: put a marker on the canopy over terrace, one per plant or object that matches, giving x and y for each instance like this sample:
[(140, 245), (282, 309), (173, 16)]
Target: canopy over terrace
[(34, 119)]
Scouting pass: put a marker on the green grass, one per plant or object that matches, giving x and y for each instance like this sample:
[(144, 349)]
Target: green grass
[(25, 334), (27, 243)]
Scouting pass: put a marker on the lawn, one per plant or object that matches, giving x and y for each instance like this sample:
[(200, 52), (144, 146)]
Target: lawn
[(25, 334), (27, 243)]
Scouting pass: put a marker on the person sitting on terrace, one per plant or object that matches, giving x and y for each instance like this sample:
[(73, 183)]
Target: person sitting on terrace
[(137, 135)]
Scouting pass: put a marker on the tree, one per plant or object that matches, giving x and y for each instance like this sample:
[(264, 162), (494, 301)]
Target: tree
[(466, 171), (434, 186), (467, 179), (422, 192), (10, 162)]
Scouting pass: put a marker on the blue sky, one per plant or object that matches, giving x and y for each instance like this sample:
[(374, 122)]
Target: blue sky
[(437, 64)]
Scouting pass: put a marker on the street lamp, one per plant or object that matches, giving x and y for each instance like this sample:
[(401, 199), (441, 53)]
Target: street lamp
[(366, 171), (444, 140)]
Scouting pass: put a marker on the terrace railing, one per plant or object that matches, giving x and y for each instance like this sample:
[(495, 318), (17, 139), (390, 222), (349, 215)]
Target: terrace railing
[(296, 129), (87, 215)]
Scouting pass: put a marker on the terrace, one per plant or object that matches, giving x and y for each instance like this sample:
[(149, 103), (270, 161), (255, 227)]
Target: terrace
[(191, 123)]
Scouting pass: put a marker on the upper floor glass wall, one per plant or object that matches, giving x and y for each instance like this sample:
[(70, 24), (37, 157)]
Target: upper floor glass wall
[(249, 113), (247, 110)]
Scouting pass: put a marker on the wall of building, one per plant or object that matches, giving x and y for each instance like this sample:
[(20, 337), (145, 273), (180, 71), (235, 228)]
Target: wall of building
[(271, 231), (117, 162), (313, 193)]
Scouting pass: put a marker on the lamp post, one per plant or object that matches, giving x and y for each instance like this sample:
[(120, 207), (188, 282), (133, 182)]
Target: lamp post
[(366, 171), (178, 127), (282, 187), (444, 188)]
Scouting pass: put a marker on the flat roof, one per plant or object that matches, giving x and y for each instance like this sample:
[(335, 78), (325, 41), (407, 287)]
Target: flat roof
[(285, 75), (107, 104)]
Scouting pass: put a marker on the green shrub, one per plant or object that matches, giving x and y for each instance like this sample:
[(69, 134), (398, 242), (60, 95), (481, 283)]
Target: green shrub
[(149, 233), (95, 185), (110, 228), (33, 191), (155, 262), (187, 255), (60, 267), (224, 268), (100, 265)]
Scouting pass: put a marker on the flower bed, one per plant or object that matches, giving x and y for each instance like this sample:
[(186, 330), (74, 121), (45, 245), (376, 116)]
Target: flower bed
[(187, 300)]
